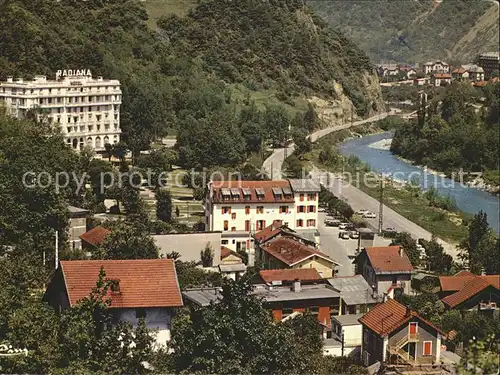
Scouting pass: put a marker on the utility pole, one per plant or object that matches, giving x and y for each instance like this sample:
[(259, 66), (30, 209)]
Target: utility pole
[(381, 207), (57, 250)]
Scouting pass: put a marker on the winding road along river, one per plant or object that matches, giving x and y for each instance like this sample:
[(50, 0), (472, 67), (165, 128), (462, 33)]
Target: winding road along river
[(468, 199)]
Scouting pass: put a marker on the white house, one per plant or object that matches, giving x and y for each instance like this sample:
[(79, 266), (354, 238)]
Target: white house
[(436, 67), (86, 109), (439, 79), (345, 328), (240, 208), (143, 288)]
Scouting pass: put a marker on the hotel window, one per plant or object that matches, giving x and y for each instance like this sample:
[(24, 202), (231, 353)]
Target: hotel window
[(301, 197), (233, 229), (224, 242), (226, 225), (226, 210), (247, 210), (301, 209), (311, 197), (311, 223), (300, 223), (247, 225), (311, 208), (283, 209), (260, 209), (261, 224), (233, 216)]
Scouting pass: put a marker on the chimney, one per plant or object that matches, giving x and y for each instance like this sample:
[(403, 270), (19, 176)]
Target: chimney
[(296, 287), (400, 251)]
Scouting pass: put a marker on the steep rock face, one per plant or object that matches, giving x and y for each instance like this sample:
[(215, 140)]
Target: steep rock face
[(416, 30), (276, 45)]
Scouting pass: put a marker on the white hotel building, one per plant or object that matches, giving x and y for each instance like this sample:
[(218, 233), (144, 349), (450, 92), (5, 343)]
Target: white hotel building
[(86, 109), (239, 209)]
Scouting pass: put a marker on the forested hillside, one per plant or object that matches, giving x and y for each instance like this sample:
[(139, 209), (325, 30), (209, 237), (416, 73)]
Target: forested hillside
[(416, 31), (202, 68), (453, 135)]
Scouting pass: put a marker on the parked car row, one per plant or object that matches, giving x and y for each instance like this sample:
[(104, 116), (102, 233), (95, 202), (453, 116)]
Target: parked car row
[(345, 235)]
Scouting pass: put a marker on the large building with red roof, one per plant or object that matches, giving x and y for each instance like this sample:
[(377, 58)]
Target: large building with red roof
[(385, 268), (143, 288), (394, 334), (239, 209)]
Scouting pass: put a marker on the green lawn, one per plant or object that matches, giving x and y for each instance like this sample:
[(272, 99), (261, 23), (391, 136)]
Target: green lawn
[(159, 8), (267, 97)]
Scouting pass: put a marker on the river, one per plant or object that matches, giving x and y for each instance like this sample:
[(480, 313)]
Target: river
[(468, 199)]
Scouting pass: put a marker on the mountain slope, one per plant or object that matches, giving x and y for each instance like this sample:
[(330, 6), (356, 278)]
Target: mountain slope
[(276, 44), (416, 30)]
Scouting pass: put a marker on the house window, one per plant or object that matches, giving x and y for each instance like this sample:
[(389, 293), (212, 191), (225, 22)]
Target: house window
[(311, 223), (226, 224), (233, 229), (301, 209), (224, 242), (413, 328), (311, 208), (260, 209), (233, 216), (226, 210), (366, 336), (366, 358), (247, 210), (301, 197), (140, 313), (311, 197), (300, 223), (261, 224), (427, 347), (247, 225), (283, 209)]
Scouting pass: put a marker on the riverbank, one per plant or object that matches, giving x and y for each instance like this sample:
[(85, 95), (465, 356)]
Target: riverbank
[(478, 182), (406, 199)]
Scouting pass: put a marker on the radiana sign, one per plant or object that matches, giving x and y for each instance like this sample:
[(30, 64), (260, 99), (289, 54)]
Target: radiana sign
[(73, 73)]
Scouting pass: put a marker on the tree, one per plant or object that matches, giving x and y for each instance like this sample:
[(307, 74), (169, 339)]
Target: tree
[(303, 144), (437, 259), (276, 125), (127, 241), (163, 205), (479, 247), (207, 256), (409, 245), (191, 276), (242, 338)]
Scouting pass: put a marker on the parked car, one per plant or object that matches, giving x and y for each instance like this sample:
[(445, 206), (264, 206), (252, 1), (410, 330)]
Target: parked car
[(389, 232), (344, 225), (369, 215), (344, 235), (361, 212), (354, 235), (332, 222)]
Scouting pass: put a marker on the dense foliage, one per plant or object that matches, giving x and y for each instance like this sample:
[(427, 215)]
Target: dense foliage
[(183, 77), (414, 31), (453, 135)]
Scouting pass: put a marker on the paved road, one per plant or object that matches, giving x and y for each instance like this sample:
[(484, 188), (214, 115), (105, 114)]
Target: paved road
[(273, 164), (360, 200), (340, 250)]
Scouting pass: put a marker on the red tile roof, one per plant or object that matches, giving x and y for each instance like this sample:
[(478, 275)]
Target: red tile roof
[(304, 274), (387, 317), (480, 83), (143, 282), (442, 75), (453, 283), (225, 252), (95, 236), (267, 187), (291, 251), (459, 71), (387, 259), (470, 289), (269, 231)]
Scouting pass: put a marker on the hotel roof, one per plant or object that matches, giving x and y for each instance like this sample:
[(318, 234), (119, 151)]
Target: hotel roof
[(251, 192)]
